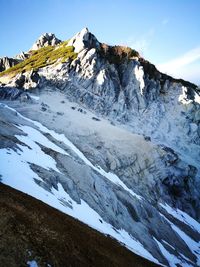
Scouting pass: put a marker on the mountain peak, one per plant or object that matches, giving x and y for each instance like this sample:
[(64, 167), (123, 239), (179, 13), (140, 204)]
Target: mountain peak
[(45, 40), (82, 40)]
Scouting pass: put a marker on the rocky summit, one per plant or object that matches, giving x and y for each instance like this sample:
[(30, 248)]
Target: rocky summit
[(97, 132), (6, 63), (45, 40)]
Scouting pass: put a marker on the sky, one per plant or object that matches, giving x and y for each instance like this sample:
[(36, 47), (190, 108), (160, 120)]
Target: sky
[(165, 32)]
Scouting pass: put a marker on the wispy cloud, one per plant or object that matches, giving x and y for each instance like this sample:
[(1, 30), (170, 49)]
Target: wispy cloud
[(190, 72), (165, 21), (141, 43), (179, 62), (183, 66)]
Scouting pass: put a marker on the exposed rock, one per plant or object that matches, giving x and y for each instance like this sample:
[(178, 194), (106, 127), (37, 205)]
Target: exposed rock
[(6, 63), (84, 40), (45, 40), (22, 55), (11, 93), (26, 80), (60, 113)]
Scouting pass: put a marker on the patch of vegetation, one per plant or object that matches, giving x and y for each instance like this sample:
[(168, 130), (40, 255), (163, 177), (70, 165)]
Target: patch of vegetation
[(117, 54), (43, 57)]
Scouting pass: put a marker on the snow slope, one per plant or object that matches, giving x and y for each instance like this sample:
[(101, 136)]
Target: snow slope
[(23, 178)]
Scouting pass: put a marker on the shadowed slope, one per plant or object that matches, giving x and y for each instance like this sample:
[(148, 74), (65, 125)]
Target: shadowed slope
[(31, 230)]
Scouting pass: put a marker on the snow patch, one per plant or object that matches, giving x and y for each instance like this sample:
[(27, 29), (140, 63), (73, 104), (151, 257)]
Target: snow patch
[(191, 244), (182, 216), (101, 77), (171, 258), (183, 97), (34, 97), (197, 98), (139, 74)]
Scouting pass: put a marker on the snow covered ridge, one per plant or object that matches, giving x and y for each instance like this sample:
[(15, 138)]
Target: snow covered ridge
[(40, 158)]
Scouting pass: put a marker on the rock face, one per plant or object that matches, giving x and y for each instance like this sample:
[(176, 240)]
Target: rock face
[(22, 55), (141, 171), (84, 40), (6, 63), (25, 81), (13, 94), (45, 40)]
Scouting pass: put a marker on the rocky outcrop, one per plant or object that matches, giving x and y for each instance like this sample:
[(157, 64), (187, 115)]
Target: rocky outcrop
[(45, 40), (13, 94), (22, 55), (6, 63), (84, 40), (27, 80)]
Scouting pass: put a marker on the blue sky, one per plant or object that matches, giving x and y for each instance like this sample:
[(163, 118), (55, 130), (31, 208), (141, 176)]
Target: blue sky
[(166, 32)]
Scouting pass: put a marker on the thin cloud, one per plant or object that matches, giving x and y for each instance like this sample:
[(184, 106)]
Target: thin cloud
[(190, 73), (186, 66), (141, 43), (165, 21), (179, 62)]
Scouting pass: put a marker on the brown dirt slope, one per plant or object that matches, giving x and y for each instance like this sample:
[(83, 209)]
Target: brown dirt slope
[(32, 230)]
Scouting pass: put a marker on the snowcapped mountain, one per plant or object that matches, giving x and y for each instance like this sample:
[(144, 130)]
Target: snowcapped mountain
[(100, 134)]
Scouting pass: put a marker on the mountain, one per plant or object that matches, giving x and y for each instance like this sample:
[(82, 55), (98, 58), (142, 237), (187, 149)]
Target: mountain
[(99, 133)]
